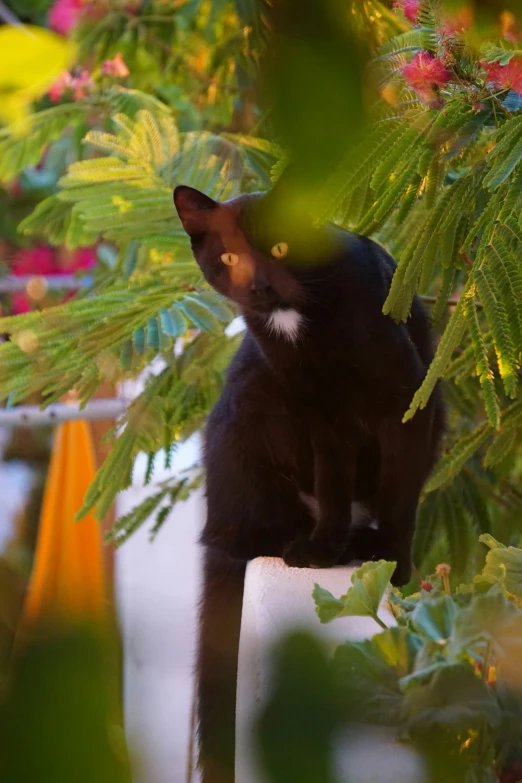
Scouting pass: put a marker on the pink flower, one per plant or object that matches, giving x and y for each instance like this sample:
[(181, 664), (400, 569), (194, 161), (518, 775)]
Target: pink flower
[(64, 15), (82, 85), (115, 67), (505, 77), (20, 303), (78, 86), (410, 8), (60, 86), (424, 73), (37, 260)]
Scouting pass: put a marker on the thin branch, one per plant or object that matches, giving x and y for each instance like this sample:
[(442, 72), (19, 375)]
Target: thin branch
[(33, 416), (12, 283)]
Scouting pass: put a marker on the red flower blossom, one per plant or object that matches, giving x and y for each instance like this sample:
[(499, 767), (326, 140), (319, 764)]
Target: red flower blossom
[(64, 15), (20, 303), (410, 9), (37, 260), (73, 87), (424, 73), (82, 85), (505, 77), (513, 774), (427, 586), (60, 86), (115, 67)]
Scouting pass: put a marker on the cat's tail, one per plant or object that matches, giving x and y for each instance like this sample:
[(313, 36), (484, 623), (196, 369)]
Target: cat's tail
[(220, 622)]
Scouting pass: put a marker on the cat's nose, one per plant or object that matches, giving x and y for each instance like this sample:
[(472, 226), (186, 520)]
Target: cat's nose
[(260, 286)]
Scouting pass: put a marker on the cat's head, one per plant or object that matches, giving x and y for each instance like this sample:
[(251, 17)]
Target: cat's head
[(245, 251)]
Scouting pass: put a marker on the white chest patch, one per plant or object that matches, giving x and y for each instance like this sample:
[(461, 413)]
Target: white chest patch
[(286, 323)]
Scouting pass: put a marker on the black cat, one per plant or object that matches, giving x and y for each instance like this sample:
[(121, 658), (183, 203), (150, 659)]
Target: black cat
[(309, 420)]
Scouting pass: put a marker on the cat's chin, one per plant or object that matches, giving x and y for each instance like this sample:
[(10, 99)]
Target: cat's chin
[(262, 309)]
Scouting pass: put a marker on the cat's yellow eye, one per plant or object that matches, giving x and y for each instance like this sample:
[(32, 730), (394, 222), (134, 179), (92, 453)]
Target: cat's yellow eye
[(230, 259), (280, 250)]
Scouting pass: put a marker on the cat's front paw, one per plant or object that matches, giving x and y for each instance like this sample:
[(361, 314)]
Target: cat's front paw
[(306, 553)]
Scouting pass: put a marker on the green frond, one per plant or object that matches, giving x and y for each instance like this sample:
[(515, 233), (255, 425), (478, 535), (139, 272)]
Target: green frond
[(356, 168), (428, 19), (500, 447), (513, 200), (464, 365), (409, 41), (127, 524), (199, 315), (510, 231), (473, 500), (449, 245), (507, 274), (383, 207), (404, 140), (59, 223), (97, 170), (453, 462), (502, 168), (424, 243), (445, 290), (120, 100), (483, 368), (494, 308), (456, 526), (409, 199), (449, 341), (505, 137), (434, 177), (426, 527), (512, 416), (17, 152)]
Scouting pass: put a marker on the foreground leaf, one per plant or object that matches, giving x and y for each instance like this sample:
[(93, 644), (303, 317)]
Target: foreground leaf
[(455, 699), (368, 674), (362, 599), (504, 565), (30, 60), (434, 618)]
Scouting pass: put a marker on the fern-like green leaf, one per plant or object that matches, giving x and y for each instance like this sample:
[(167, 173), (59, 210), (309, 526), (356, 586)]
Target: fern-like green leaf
[(449, 341), (453, 462)]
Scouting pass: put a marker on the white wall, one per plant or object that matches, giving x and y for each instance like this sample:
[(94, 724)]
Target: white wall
[(157, 586)]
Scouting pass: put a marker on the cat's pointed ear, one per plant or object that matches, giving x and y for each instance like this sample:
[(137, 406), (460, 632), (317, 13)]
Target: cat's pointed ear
[(193, 208)]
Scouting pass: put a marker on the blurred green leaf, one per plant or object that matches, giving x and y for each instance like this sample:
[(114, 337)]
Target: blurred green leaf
[(367, 675), (313, 80), (483, 623), (297, 725), (57, 720), (455, 698)]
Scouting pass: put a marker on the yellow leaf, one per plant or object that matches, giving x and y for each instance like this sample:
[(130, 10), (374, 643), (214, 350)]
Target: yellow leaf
[(31, 58)]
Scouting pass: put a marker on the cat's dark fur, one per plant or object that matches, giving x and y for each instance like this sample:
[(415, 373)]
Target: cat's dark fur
[(311, 409)]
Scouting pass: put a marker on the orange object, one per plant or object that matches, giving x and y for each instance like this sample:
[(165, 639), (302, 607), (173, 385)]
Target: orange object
[(67, 582)]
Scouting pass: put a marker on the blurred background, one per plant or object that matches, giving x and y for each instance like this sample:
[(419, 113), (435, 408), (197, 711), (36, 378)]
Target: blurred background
[(402, 120)]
